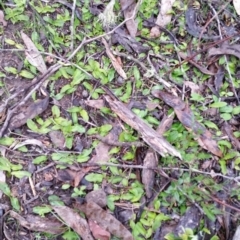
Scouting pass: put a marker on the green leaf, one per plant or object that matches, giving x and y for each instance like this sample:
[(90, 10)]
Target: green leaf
[(5, 189), (42, 210), (6, 141), (9, 41), (56, 111), (66, 186), (78, 76), (5, 165), (230, 155), (211, 125), (104, 129), (11, 70), (32, 125), (78, 128), (40, 159), (236, 110), (226, 116), (54, 200), (15, 203), (70, 235), (226, 109), (223, 166), (21, 174), (84, 115), (94, 177), (26, 74), (218, 105)]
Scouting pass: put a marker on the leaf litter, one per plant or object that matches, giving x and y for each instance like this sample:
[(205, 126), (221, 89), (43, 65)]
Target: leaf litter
[(94, 139)]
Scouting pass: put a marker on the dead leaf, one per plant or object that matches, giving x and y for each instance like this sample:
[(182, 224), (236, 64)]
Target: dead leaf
[(191, 219), (106, 220), (151, 137), (39, 224), (193, 86), (195, 64), (74, 221), (97, 196), (236, 4), (57, 139), (33, 55), (164, 17), (74, 177), (98, 232), (29, 142), (229, 131), (4, 23), (129, 43), (99, 103), (102, 148), (28, 111), (128, 7), (2, 180), (233, 49), (114, 61), (187, 118), (148, 175), (165, 124)]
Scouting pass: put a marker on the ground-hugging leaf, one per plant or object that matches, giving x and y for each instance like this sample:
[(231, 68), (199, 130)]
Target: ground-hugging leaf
[(74, 221), (187, 118), (233, 49), (98, 232), (33, 55)]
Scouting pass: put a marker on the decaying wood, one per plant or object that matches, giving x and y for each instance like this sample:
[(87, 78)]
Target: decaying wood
[(150, 136)]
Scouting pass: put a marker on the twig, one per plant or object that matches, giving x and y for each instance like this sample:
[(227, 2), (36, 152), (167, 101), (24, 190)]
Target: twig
[(225, 57), (148, 71), (119, 144), (72, 24), (210, 20), (32, 187), (46, 167)]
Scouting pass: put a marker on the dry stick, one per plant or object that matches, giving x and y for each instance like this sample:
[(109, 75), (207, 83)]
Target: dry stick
[(72, 24), (203, 50), (210, 20), (55, 67), (154, 73), (225, 57)]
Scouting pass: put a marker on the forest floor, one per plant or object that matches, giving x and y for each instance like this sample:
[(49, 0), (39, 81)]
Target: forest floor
[(119, 120)]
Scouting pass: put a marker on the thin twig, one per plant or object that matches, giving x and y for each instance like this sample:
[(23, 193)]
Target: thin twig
[(72, 25), (225, 57)]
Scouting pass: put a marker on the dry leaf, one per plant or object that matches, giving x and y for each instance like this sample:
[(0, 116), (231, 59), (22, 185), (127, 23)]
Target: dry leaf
[(28, 111), (128, 7), (148, 175), (114, 61), (74, 221), (194, 87), (187, 118), (164, 17), (150, 136), (99, 103), (98, 232), (39, 224), (202, 69), (225, 49), (33, 55), (236, 4), (105, 219), (4, 23), (29, 142)]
